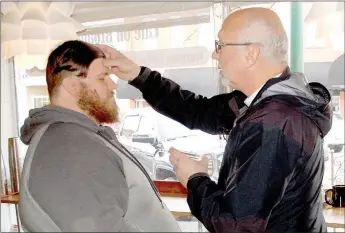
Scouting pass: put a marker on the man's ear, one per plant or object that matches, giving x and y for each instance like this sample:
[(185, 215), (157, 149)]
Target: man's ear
[(252, 55), (71, 85)]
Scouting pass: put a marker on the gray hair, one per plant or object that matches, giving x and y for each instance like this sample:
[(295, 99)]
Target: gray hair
[(275, 43)]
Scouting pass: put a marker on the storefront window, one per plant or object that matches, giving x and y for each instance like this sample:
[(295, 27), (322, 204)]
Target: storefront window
[(324, 43), (179, 44)]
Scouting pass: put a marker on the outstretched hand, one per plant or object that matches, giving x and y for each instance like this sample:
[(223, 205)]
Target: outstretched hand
[(119, 64), (185, 167)]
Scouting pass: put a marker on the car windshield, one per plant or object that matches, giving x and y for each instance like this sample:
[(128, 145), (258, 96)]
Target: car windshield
[(170, 129)]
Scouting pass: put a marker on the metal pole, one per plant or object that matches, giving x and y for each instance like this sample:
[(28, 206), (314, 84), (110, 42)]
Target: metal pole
[(296, 42)]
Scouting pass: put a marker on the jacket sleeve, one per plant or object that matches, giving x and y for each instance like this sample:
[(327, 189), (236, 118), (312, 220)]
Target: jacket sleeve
[(252, 190), (80, 184), (211, 115)]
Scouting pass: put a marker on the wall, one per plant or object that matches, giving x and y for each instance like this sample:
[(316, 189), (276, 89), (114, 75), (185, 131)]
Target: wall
[(330, 31), (8, 129), (342, 103)]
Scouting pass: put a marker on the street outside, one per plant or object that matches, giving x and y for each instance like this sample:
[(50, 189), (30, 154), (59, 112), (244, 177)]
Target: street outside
[(338, 170)]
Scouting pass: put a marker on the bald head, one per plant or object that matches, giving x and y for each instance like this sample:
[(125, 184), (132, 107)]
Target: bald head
[(252, 48), (259, 25)]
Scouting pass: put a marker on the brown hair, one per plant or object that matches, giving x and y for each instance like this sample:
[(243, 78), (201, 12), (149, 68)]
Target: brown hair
[(70, 58)]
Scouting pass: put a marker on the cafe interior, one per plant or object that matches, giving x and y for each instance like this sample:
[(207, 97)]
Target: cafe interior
[(175, 38)]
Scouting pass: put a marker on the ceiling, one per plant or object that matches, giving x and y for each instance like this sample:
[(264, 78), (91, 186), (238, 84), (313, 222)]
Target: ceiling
[(123, 16), (103, 17), (97, 11)]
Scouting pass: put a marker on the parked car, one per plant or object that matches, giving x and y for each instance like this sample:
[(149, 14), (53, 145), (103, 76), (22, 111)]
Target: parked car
[(334, 140), (149, 135)]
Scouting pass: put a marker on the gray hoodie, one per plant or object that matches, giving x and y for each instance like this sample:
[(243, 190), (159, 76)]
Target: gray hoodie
[(78, 177)]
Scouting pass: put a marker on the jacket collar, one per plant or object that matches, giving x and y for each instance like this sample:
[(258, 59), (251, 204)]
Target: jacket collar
[(237, 102)]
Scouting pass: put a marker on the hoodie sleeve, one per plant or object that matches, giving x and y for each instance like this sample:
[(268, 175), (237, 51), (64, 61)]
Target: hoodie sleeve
[(253, 189), (211, 115), (80, 183)]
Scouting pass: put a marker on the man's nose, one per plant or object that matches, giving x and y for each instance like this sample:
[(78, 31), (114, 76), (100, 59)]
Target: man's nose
[(215, 55), (113, 82), (113, 86)]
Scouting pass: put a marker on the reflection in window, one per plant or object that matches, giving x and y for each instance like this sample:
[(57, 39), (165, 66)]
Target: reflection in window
[(141, 103), (336, 103), (130, 126), (40, 101), (177, 36), (119, 41), (311, 38), (146, 126), (171, 129)]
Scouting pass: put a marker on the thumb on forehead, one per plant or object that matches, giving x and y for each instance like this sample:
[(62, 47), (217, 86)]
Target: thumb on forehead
[(110, 62)]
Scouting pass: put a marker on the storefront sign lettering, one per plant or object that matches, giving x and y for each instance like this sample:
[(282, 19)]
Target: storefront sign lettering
[(109, 38)]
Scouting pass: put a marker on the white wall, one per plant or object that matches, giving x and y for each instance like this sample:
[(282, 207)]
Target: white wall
[(8, 129)]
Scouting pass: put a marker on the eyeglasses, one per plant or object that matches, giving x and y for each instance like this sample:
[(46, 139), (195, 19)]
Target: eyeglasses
[(218, 44)]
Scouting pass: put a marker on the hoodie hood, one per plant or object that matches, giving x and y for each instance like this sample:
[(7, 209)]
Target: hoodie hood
[(310, 99), (51, 114)]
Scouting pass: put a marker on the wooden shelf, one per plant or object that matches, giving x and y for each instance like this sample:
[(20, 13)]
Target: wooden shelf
[(10, 199), (335, 217), (171, 189), (174, 193)]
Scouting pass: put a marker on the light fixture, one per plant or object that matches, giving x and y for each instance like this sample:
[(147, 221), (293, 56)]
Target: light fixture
[(30, 30)]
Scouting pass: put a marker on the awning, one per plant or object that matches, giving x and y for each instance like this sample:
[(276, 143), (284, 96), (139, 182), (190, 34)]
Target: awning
[(164, 23), (320, 9), (329, 74), (317, 72), (97, 11), (203, 81), (336, 74)]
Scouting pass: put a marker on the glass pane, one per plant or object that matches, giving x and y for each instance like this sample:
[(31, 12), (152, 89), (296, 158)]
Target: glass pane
[(130, 126), (324, 43)]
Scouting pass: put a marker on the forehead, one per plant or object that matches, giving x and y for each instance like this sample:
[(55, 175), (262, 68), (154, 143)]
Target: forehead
[(231, 27), (226, 35), (96, 68)]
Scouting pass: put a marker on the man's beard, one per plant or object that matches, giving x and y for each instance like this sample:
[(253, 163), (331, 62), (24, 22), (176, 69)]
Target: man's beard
[(102, 111)]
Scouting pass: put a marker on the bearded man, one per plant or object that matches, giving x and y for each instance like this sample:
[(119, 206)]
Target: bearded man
[(76, 175)]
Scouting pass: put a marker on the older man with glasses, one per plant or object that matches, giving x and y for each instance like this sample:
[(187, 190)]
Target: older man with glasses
[(272, 169)]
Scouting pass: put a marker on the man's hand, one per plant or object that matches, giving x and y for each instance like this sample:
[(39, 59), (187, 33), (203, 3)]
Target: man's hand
[(120, 65), (185, 167)]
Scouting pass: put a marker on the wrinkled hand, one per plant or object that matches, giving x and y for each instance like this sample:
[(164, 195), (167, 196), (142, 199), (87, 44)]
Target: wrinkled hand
[(185, 166), (120, 65)]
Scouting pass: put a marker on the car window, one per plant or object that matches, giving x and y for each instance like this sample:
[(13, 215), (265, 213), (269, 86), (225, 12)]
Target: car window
[(170, 129), (146, 126), (130, 126)]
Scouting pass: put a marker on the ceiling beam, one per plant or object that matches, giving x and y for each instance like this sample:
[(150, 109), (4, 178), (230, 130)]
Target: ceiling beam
[(86, 7), (245, 3), (113, 11), (145, 25)]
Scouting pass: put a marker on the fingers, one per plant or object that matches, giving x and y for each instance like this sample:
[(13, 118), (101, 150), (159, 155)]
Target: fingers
[(109, 51), (104, 50), (111, 63), (175, 156)]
